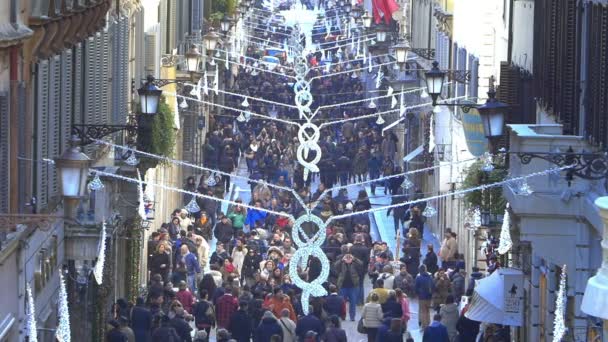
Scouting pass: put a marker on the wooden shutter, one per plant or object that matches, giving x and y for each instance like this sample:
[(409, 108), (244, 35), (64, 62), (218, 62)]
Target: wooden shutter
[(54, 125), (67, 86), (4, 152), (462, 65), (124, 67), (89, 81), (557, 60), (473, 87), (78, 87), (196, 19), (596, 93), (151, 53), (24, 169), (42, 126), (103, 56)]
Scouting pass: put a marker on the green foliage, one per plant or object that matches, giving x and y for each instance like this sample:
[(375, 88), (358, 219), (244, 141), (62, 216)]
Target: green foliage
[(218, 6), (491, 198), (163, 133), (215, 17)]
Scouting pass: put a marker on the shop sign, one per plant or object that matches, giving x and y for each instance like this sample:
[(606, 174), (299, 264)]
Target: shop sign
[(477, 143)]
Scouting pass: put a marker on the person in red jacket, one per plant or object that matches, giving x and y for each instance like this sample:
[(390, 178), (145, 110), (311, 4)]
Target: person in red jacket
[(185, 297), (225, 306)]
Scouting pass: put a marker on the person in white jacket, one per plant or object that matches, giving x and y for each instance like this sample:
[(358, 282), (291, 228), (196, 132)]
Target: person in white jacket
[(372, 317), (288, 326), (238, 255)]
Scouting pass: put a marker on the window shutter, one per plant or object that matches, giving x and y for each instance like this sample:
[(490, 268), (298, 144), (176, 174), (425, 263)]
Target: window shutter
[(151, 49), (67, 86), (124, 74), (557, 60), (78, 83), (596, 92), (103, 56), (42, 127), (23, 180), (462, 65), (54, 123), (89, 81), (4, 152), (197, 10), (474, 83)]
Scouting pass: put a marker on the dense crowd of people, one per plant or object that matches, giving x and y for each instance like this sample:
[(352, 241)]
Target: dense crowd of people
[(241, 289)]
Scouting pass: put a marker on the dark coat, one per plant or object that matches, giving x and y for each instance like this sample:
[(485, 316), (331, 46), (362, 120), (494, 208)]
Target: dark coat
[(436, 333), (240, 326), (467, 329), (267, 328), (424, 286), (335, 335), (115, 335), (165, 333), (430, 261), (308, 323), (333, 305), (226, 163), (141, 323), (391, 308), (182, 328), (223, 232)]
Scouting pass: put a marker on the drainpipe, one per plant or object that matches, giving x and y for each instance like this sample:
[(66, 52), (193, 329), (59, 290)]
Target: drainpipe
[(595, 299), (14, 128)]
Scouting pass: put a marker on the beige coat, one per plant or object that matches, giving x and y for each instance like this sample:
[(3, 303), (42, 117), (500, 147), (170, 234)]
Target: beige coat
[(372, 315), (448, 250)]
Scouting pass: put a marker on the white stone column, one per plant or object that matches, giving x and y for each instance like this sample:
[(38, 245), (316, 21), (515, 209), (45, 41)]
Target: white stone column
[(595, 300)]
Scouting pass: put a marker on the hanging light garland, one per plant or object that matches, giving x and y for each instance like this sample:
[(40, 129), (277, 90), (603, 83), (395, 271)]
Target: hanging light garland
[(192, 206), (64, 331), (132, 160), (95, 184), (141, 209), (559, 323), (505, 243), (429, 211), (32, 329), (380, 120), (101, 256), (407, 183)]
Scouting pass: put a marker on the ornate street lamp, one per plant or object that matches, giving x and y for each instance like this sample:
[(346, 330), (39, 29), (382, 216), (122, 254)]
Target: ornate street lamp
[(149, 94), (401, 50), (193, 58), (73, 169), (356, 12), (381, 34), (211, 39), (367, 20), (225, 24), (492, 114), (434, 82)]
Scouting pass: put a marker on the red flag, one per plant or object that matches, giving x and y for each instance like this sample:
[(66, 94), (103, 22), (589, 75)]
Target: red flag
[(391, 7), (384, 8)]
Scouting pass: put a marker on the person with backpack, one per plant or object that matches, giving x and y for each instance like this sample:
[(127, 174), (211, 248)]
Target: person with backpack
[(203, 312)]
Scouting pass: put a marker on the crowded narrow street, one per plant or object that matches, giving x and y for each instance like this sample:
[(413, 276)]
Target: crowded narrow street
[(303, 170)]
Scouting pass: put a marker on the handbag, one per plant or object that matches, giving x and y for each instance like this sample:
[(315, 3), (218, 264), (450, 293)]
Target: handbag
[(361, 329)]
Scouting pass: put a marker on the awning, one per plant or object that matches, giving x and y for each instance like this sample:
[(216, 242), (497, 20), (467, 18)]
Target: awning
[(413, 154), (13, 34), (498, 298)]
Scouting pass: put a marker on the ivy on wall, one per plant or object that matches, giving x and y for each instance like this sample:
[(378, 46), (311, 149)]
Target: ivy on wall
[(491, 199)]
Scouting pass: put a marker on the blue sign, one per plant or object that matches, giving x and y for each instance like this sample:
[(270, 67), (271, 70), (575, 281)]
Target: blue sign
[(477, 142)]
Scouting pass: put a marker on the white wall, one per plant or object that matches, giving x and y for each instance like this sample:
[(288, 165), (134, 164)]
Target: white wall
[(523, 34), (482, 26)]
